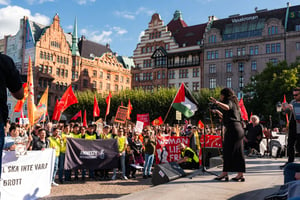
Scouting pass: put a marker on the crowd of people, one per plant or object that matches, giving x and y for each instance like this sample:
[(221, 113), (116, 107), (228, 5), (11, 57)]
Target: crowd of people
[(134, 147)]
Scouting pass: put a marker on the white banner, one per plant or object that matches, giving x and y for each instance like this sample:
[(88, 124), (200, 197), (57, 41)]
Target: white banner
[(26, 177)]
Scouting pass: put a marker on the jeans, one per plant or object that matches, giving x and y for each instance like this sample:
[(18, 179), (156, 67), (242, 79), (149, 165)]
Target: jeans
[(149, 158), (289, 172), (55, 167), (1, 144), (61, 169), (123, 167)]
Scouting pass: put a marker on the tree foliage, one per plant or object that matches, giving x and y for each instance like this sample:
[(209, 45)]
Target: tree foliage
[(156, 103), (269, 87)]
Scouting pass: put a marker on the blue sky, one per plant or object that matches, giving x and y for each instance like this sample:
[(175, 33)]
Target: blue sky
[(121, 22)]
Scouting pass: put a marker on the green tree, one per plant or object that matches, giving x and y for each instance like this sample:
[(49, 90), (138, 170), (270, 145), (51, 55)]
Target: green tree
[(269, 87)]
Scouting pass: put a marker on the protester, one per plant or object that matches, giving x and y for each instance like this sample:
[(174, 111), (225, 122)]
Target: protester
[(9, 140), (105, 135), (42, 142), (149, 144), (233, 150), (63, 145), (253, 135), (9, 79), (91, 135), (122, 145), (55, 144), (189, 158), (76, 134), (294, 126), (137, 147)]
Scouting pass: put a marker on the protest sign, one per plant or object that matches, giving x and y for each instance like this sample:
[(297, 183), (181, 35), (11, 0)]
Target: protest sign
[(143, 118), (121, 114), (167, 148), (28, 176)]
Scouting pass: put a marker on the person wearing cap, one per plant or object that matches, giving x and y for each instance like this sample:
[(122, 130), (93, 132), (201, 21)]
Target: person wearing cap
[(189, 158)]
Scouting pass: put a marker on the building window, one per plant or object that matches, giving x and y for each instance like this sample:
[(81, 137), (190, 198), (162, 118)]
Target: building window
[(57, 86), (172, 74), (196, 86), (228, 53), (196, 72), (158, 75), (241, 81), (94, 85), (272, 30), (212, 83), (57, 72), (127, 79), (76, 74), (163, 75), (241, 51), (40, 82), (273, 48), (183, 73), (274, 61), (228, 82), (100, 85), (41, 68), (116, 88), (253, 65), (212, 69), (212, 39), (50, 70), (101, 75), (108, 86), (66, 73), (297, 46), (108, 76), (117, 78), (94, 73), (256, 50), (62, 72), (251, 50), (228, 67), (241, 67)]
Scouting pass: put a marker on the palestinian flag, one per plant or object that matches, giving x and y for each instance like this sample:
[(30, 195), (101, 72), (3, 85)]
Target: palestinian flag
[(184, 102)]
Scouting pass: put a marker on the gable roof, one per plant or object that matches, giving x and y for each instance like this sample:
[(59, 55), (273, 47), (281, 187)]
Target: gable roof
[(90, 49), (183, 34)]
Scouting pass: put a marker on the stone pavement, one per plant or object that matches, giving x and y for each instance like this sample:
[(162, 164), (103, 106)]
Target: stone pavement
[(263, 177)]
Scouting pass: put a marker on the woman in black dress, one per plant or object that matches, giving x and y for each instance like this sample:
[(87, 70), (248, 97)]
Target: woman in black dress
[(233, 150)]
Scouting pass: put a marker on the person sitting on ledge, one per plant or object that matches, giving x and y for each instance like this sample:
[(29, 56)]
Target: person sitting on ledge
[(189, 159)]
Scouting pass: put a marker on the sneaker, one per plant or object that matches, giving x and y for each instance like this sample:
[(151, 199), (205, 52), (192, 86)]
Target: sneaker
[(55, 184), (124, 178), (113, 177)]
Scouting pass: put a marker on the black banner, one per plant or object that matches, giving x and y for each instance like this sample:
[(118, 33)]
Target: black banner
[(91, 154)]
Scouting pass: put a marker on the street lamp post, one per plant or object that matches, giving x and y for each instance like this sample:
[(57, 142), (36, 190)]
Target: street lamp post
[(278, 109)]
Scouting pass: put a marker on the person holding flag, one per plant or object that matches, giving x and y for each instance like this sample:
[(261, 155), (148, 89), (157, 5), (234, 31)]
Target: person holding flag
[(229, 111)]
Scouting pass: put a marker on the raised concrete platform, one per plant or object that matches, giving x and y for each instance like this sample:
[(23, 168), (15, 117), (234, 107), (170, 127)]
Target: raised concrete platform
[(263, 177)]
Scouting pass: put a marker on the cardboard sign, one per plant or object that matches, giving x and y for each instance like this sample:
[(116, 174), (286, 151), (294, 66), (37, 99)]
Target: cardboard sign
[(143, 118), (121, 114), (139, 126)]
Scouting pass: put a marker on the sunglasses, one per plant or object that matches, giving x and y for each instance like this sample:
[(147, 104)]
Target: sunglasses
[(296, 94)]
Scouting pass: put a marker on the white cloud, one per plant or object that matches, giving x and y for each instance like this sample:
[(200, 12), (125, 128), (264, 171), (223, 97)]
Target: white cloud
[(119, 30), (69, 27), (4, 2), (133, 15), (31, 2), (96, 36), (10, 19), (82, 2)]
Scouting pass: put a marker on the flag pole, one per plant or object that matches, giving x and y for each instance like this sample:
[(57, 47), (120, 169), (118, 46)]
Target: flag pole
[(171, 104)]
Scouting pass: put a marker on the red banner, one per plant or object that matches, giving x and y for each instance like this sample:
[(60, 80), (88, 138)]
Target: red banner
[(167, 148), (213, 141), (143, 118)]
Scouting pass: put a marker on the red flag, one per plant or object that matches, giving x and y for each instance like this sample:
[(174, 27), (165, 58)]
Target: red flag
[(108, 103), (129, 109), (286, 115), (200, 124), (96, 110), (22, 113), (84, 119), (67, 99), (20, 103), (57, 112), (76, 116), (243, 110), (158, 121)]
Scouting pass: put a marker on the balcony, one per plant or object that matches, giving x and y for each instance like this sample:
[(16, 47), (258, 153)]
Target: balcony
[(241, 58), (184, 64)]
